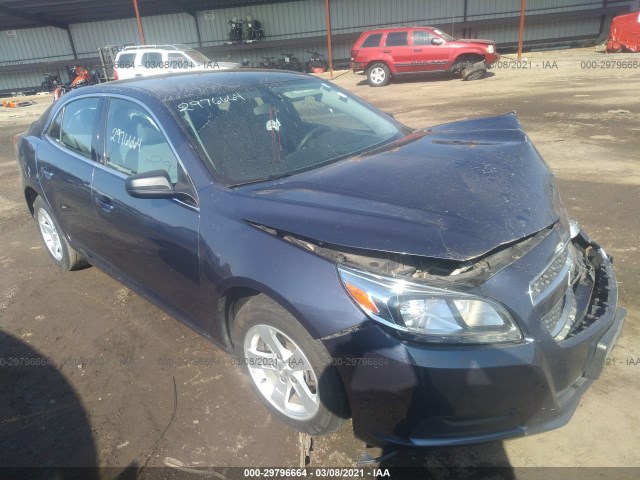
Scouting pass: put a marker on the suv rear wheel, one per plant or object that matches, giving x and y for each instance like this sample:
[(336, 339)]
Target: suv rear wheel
[(378, 74)]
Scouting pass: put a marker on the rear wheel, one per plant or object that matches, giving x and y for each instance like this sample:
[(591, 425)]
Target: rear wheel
[(378, 74), (290, 371), (59, 249)]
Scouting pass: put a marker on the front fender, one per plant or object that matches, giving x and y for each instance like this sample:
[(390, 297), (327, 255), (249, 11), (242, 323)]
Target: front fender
[(236, 254)]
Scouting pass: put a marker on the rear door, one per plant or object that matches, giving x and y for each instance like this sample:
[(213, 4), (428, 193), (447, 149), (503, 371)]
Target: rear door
[(427, 55), (397, 47), (151, 63), (65, 163), (150, 243)]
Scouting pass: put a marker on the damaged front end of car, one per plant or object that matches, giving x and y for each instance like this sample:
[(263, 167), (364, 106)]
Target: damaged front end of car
[(486, 313)]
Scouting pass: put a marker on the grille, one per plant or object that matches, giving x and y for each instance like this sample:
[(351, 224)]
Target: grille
[(551, 319), (561, 318), (556, 269)]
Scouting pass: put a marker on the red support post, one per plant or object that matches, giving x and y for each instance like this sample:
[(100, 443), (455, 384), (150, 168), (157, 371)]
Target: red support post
[(521, 32), (330, 54), (135, 7)]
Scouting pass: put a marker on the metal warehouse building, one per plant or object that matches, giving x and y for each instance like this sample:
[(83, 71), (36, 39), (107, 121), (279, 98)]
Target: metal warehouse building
[(38, 36)]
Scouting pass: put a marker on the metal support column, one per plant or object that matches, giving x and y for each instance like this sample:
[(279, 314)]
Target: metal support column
[(140, 31), (328, 18), (521, 32)]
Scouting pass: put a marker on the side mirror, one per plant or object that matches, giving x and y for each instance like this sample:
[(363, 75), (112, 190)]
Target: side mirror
[(153, 184), (437, 41)]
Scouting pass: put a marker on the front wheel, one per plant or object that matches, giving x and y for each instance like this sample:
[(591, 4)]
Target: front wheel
[(378, 74), (474, 72), (59, 249), (291, 372)]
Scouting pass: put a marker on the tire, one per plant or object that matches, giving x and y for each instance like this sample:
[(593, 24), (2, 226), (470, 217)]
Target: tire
[(54, 239), (301, 364), (474, 72), (378, 74)]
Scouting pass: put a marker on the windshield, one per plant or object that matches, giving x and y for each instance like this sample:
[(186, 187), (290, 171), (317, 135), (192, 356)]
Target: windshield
[(199, 58), (444, 36), (268, 131)]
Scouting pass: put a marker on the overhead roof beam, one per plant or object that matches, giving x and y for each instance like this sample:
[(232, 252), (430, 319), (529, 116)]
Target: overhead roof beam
[(185, 7), (33, 18)]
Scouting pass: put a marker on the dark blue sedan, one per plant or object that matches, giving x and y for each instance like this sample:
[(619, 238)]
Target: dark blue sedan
[(426, 283)]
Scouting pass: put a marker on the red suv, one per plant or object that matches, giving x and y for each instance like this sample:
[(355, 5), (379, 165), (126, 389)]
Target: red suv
[(397, 51)]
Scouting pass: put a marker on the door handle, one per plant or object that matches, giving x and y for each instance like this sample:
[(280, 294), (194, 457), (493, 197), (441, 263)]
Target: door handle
[(417, 49), (47, 173), (105, 203), (386, 51)]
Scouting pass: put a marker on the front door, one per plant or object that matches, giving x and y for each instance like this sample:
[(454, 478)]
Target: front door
[(430, 52)]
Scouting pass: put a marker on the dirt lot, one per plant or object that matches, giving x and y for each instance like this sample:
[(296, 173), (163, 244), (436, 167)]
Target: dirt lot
[(126, 385)]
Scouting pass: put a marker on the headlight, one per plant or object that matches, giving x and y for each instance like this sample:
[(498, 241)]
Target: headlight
[(490, 49), (429, 314)]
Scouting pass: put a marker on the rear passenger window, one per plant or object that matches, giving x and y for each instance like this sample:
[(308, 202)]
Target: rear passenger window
[(79, 124), (152, 60), (54, 128), (396, 39), (135, 144), (372, 40)]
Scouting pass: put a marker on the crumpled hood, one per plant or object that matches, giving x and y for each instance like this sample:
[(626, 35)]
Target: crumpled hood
[(460, 190), (474, 40)]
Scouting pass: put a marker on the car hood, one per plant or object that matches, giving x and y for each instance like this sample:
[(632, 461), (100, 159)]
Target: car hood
[(475, 40), (457, 191)]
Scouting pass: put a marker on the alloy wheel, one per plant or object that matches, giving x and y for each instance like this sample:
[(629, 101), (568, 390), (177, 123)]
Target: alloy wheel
[(377, 75), (50, 234), (281, 372)]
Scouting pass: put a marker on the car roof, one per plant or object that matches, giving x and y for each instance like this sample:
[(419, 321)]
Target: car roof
[(163, 47), (188, 84), (397, 29)]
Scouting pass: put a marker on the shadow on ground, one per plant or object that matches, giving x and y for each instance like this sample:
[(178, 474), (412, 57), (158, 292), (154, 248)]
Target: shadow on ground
[(487, 462), (45, 429), (426, 78)]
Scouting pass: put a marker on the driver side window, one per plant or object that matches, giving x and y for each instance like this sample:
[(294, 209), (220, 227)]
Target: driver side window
[(422, 37), (135, 144)]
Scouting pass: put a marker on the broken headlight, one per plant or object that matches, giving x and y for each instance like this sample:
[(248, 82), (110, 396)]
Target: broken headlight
[(429, 314)]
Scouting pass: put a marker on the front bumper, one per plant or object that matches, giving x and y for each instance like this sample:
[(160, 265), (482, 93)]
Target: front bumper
[(437, 395), (491, 58)]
